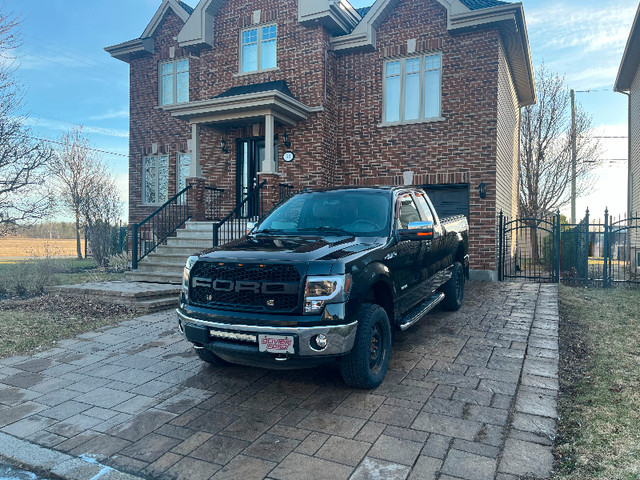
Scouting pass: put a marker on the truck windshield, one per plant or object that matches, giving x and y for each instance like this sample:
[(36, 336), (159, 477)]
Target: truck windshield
[(338, 212)]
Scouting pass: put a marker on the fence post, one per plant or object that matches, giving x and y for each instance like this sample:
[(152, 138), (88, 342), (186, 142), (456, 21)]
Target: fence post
[(558, 249), (215, 234), (500, 247), (134, 247), (605, 270), (586, 248)]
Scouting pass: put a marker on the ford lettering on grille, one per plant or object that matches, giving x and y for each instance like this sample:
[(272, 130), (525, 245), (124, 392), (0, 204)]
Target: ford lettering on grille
[(246, 286)]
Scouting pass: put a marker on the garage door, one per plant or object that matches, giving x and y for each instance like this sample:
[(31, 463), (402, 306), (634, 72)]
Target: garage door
[(449, 199)]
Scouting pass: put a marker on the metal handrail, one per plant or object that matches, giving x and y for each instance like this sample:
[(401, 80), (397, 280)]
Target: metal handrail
[(230, 233), (157, 227), (213, 203)]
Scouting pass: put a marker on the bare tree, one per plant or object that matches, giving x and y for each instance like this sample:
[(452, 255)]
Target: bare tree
[(101, 211), (545, 148), (545, 152), (86, 187), (24, 197)]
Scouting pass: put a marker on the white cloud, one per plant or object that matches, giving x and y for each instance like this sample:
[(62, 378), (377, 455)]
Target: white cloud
[(63, 126), (111, 114)]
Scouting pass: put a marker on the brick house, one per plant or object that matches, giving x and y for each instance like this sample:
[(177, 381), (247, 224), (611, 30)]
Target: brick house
[(628, 82), (426, 92)]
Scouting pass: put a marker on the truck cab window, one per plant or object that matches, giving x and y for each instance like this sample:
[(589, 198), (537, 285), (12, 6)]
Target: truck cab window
[(408, 211)]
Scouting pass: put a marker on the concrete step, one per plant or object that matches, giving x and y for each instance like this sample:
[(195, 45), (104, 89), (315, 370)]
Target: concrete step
[(178, 250), (143, 297), (160, 267), (163, 257), (153, 277), (197, 243), (198, 226)]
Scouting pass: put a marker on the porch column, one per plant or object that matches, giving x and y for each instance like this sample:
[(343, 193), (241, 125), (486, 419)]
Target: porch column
[(195, 170), (268, 166)]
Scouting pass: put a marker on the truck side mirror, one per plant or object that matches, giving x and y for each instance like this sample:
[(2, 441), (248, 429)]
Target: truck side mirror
[(417, 231)]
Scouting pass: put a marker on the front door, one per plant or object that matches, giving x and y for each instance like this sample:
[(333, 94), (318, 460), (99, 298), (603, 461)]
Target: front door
[(250, 155)]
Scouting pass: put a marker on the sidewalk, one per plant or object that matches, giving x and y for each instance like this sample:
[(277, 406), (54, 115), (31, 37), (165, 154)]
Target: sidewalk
[(469, 395)]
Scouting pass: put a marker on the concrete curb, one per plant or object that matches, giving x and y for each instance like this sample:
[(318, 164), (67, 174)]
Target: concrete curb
[(58, 464)]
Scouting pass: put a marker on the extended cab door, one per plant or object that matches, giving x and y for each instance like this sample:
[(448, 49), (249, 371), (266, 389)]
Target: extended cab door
[(405, 260), (434, 255)]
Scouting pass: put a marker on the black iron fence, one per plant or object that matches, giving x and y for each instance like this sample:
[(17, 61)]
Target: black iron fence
[(601, 251), (158, 226), (285, 190), (234, 225), (213, 203)]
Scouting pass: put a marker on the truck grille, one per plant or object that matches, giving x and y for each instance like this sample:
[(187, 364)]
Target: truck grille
[(204, 292)]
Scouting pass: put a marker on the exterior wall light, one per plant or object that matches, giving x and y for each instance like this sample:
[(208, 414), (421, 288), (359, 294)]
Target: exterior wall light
[(223, 146), (482, 189), (285, 140)]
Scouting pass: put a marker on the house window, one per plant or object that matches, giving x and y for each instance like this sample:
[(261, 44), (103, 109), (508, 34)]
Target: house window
[(174, 82), (412, 89), (258, 49), (184, 166), (155, 179)]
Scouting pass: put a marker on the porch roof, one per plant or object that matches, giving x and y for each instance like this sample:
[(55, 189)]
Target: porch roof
[(244, 104)]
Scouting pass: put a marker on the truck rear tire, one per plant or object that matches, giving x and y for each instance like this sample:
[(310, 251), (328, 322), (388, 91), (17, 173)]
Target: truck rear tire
[(454, 289), (210, 357), (367, 363)]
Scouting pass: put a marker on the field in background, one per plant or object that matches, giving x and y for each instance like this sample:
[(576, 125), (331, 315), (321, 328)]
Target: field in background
[(37, 247)]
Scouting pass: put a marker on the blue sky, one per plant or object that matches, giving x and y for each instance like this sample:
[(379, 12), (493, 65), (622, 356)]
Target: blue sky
[(71, 80)]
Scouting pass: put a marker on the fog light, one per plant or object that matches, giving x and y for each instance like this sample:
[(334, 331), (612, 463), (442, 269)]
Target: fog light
[(319, 342)]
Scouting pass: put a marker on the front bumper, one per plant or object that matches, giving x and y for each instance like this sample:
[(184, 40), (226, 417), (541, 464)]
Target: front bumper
[(238, 341)]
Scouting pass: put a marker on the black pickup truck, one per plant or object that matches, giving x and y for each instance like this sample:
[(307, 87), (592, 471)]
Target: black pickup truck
[(327, 275)]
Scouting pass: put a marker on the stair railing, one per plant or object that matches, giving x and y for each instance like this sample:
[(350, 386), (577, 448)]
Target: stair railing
[(213, 203), (157, 227), (234, 225)]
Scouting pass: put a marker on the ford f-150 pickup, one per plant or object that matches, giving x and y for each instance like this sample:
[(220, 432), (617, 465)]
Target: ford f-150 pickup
[(327, 275)]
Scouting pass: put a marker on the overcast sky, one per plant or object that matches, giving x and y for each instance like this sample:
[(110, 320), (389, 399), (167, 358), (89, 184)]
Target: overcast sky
[(71, 80)]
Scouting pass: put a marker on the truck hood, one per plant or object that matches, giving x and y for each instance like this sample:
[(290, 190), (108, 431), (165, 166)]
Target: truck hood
[(291, 249)]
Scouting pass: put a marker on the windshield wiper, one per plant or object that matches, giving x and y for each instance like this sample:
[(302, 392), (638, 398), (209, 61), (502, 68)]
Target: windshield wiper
[(268, 231), (335, 230)]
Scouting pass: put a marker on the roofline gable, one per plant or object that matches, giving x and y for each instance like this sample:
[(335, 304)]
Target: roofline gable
[(198, 29), (630, 58), (160, 13), (508, 18)]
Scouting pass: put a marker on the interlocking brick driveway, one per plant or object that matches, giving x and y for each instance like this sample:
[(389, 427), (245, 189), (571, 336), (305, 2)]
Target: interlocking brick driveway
[(469, 395)]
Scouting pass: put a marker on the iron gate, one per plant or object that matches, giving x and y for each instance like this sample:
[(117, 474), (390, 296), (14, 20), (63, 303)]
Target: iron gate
[(594, 251)]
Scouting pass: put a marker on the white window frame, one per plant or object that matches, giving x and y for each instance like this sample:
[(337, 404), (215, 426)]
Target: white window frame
[(174, 80), (157, 182), (421, 117), (258, 29), (178, 165)]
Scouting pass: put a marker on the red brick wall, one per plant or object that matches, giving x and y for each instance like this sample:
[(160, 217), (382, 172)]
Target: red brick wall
[(459, 149), (343, 142)]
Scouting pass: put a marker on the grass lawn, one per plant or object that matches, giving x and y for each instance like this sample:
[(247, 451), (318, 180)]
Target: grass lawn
[(32, 320), (599, 405)]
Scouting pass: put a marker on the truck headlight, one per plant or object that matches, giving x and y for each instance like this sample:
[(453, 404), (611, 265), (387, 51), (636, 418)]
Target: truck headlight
[(191, 261), (320, 290)]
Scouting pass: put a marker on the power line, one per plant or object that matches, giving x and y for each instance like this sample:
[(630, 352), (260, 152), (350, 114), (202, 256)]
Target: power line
[(85, 148), (606, 136)]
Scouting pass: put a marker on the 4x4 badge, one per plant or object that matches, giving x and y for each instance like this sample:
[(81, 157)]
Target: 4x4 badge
[(271, 303)]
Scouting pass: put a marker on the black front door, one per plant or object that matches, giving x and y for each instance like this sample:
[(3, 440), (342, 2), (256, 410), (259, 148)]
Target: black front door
[(250, 154)]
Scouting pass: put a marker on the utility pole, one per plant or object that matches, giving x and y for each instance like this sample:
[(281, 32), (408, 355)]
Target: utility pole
[(573, 156)]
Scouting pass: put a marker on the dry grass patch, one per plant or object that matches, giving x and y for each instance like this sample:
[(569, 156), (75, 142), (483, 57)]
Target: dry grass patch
[(599, 429), (37, 323)]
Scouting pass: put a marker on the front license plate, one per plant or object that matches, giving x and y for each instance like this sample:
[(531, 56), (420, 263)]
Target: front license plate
[(275, 344)]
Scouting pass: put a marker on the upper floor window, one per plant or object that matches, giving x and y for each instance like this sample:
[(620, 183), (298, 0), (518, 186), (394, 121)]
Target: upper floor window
[(412, 89), (174, 82), (258, 48)]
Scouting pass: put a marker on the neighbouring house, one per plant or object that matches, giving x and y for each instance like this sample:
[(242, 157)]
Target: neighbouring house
[(313, 93), (628, 82)]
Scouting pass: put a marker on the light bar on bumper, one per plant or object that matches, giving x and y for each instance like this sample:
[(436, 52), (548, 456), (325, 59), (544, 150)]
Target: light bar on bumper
[(320, 290)]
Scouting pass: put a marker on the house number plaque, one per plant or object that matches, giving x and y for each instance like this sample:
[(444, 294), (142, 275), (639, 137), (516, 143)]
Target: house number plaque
[(288, 156)]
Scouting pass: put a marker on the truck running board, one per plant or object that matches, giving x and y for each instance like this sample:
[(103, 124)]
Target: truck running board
[(418, 312)]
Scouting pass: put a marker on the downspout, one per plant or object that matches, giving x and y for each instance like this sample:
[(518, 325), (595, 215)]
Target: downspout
[(629, 188)]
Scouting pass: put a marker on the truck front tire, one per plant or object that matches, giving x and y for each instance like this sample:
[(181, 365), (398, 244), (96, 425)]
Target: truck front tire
[(454, 289), (367, 363)]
